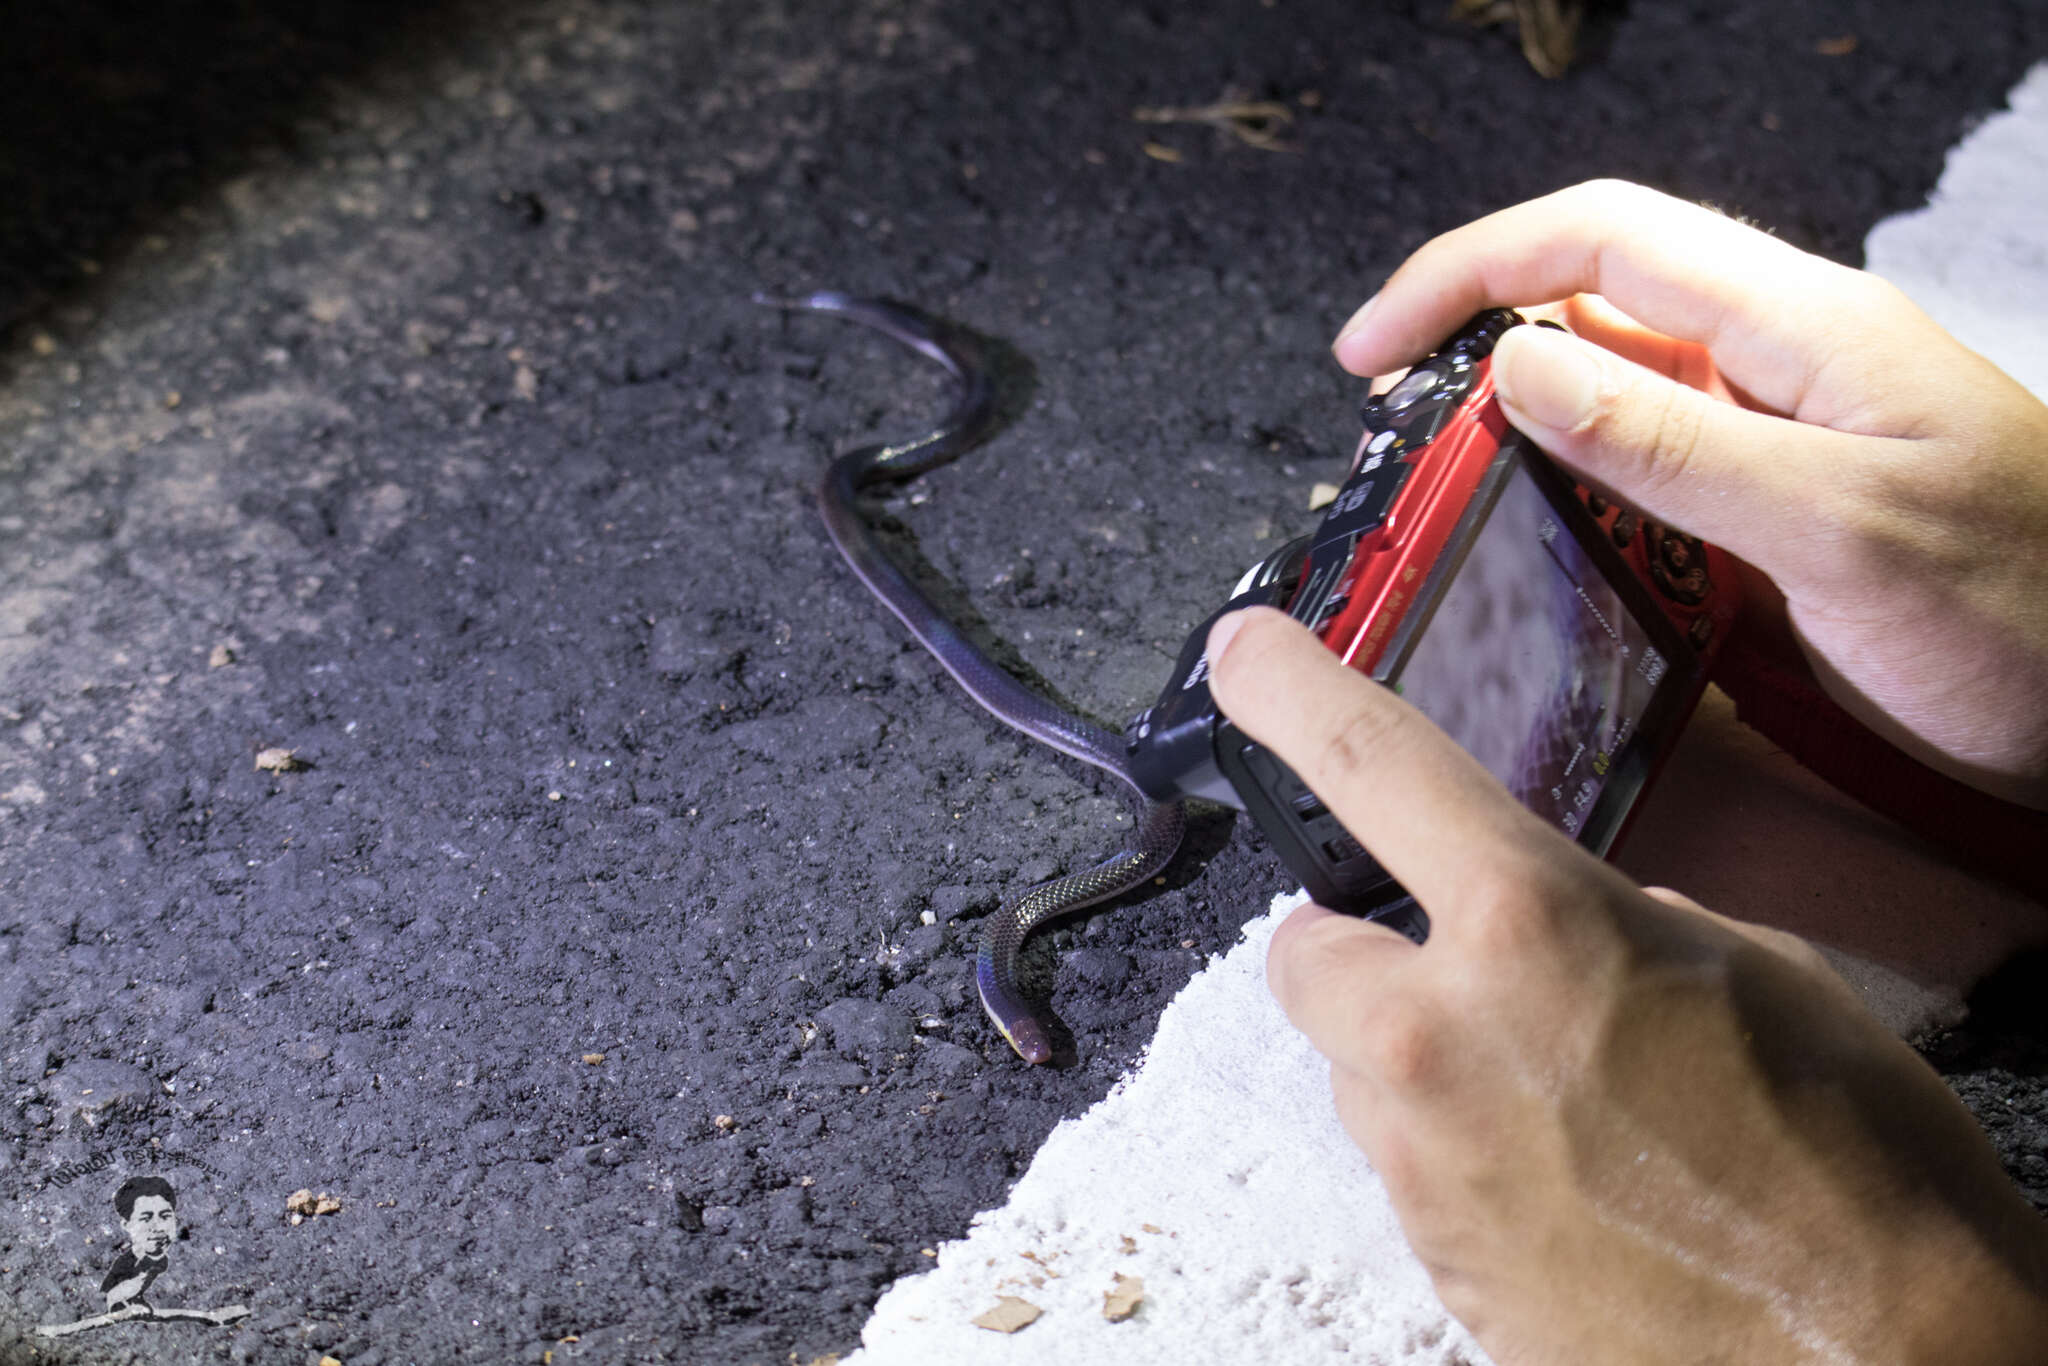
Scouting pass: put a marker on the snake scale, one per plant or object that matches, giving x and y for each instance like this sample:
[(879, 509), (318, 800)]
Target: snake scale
[(971, 419)]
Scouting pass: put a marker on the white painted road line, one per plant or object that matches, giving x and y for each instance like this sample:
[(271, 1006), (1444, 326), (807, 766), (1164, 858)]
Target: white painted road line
[(1976, 257)]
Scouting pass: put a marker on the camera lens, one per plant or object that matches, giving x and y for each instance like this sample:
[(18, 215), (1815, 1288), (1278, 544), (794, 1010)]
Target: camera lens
[(1414, 386)]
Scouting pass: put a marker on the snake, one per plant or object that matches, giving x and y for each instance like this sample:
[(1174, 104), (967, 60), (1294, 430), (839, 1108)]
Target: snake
[(970, 421)]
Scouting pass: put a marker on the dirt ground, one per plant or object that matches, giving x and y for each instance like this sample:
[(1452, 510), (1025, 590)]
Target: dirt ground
[(378, 382)]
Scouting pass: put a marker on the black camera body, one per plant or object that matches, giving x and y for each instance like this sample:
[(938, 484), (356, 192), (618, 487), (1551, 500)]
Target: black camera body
[(1561, 640)]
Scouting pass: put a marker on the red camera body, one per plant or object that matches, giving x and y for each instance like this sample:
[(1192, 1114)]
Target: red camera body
[(1561, 640), (1693, 583)]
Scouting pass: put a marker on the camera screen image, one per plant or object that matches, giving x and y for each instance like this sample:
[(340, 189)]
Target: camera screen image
[(1532, 661)]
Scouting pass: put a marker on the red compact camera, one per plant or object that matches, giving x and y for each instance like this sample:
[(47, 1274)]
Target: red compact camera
[(1561, 640)]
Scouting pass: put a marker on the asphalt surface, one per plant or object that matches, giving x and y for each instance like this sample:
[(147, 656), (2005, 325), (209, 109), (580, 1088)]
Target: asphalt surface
[(379, 383)]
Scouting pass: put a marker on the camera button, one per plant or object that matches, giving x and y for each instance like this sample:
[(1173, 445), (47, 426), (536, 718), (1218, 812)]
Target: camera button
[(1688, 589), (1343, 849), (1679, 551)]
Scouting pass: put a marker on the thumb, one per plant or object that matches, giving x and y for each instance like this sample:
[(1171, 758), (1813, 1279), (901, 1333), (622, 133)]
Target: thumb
[(1732, 476)]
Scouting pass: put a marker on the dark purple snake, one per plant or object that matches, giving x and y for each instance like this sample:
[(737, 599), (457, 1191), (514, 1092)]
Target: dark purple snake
[(971, 419)]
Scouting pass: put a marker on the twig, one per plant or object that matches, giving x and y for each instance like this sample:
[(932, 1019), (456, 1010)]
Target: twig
[(225, 1314), (1256, 123)]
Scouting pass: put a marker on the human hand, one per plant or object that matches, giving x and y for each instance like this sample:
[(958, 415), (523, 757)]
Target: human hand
[(1806, 417), (1616, 1127)]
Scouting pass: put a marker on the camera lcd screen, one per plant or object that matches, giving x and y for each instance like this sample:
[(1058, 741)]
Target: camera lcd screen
[(1533, 661)]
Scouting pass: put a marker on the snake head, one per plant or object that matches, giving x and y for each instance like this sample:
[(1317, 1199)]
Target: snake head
[(1027, 1036), (995, 971)]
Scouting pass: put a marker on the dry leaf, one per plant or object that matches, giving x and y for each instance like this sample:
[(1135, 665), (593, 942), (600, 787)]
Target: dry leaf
[(1009, 1315), (1041, 1263), (525, 383), (1159, 151), (277, 759), (221, 657), (1151, 1228), (593, 1058), (1121, 1300), (1548, 28), (303, 1204), (1836, 47), (1126, 1244), (1322, 495)]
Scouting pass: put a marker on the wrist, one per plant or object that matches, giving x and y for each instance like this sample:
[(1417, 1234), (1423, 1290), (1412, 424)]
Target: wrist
[(1967, 1320), (1968, 1284)]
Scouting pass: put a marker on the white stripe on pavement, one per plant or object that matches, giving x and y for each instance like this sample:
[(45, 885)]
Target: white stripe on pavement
[(1976, 258)]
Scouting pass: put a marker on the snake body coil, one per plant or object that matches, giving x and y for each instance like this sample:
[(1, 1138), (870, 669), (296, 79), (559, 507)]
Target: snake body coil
[(970, 420)]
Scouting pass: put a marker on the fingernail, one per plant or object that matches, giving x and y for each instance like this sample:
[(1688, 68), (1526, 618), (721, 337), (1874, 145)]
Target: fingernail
[(1220, 635), (1551, 378), (1357, 321)]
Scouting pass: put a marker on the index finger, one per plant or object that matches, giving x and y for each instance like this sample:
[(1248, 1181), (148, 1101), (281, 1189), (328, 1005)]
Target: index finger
[(1428, 811), (1674, 266)]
